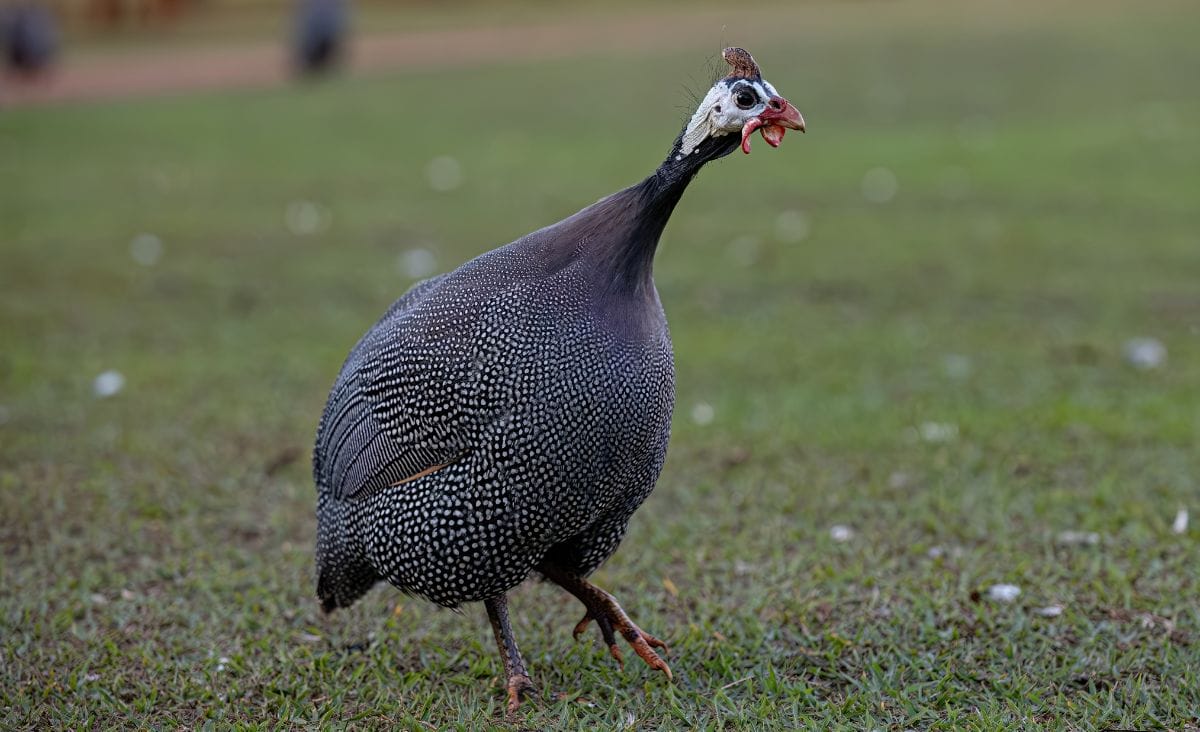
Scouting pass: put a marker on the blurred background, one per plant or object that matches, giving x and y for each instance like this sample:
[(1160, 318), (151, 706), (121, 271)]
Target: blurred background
[(936, 437)]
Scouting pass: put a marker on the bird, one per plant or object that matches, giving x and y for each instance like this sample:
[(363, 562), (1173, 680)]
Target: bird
[(505, 419), (320, 34), (29, 36)]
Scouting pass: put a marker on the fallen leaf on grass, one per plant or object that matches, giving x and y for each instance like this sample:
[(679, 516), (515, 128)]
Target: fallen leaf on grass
[(282, 459), (1003, 593), (1078, 537), (567, 696), (840, 532), (1145, 353)]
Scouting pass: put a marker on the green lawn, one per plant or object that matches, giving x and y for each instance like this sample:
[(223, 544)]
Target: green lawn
[(942, 371)]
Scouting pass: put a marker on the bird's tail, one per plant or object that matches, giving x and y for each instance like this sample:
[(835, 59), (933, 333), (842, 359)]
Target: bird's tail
[(343, 573)]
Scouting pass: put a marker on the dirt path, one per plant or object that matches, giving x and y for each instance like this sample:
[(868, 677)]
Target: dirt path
[(266, 64)]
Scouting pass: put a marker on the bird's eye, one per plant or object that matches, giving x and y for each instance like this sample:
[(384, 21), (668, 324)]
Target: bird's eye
[(745, 98)]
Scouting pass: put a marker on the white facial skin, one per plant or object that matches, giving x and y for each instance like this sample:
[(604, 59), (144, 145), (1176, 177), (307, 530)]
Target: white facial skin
[(728, 106)]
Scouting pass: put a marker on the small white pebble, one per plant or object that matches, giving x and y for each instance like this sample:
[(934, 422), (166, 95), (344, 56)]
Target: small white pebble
[(98, 599), (792, 226), (879, 185), (841, 532), (444, 173), (417, 263), (938, 431), (305, 218), (1050, 611), (956, 366), (1180, 524), (744, 250), (703, 413), (1003, 593), (937, 552), (1078, 537), (108, 384), (127, 595), (146, 249), (1145, 353)]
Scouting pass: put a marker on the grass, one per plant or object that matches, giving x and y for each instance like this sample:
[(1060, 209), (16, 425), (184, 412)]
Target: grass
[(942, 372)]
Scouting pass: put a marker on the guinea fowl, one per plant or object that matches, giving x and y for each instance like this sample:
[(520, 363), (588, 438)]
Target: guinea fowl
[(320, 34), (29, 38), (508, 417)]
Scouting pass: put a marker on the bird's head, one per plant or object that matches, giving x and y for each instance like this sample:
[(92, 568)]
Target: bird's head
[(742, 101)]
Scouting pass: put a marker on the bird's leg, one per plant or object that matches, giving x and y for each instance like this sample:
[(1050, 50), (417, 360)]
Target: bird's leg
[(518, 683), (603, 608)]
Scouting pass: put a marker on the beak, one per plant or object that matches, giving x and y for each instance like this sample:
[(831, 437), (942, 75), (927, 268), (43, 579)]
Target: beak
[(779, 117), (781, 112)]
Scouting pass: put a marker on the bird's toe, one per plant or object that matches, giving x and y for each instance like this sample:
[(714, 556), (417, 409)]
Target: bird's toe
[(519, 687)]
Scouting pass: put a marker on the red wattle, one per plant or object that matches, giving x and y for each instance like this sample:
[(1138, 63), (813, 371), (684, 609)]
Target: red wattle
[(773, 134), (747, 129)]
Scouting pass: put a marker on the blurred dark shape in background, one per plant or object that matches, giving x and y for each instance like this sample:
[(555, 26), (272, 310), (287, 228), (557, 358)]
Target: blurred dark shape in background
[(28, 37), (320, 40)]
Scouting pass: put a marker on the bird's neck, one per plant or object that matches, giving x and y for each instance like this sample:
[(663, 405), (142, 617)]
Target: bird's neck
[(630, 256)]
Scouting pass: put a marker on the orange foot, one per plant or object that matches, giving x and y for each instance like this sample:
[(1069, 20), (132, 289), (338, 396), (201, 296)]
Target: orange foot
[(609, 616), (519, 686)]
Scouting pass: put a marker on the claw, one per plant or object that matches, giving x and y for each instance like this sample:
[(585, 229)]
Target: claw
[(582, 625), (610, 618), (518, 686), (644, 644), (615, 650)]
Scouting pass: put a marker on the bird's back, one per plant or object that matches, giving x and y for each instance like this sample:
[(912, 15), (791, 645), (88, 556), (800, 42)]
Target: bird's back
[(512, 408)]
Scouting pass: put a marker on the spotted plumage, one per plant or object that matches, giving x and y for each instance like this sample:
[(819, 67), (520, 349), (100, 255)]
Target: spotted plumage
[(509, 417)]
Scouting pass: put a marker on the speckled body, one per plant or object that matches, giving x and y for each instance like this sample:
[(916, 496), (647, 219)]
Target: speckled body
[(540, 374)]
